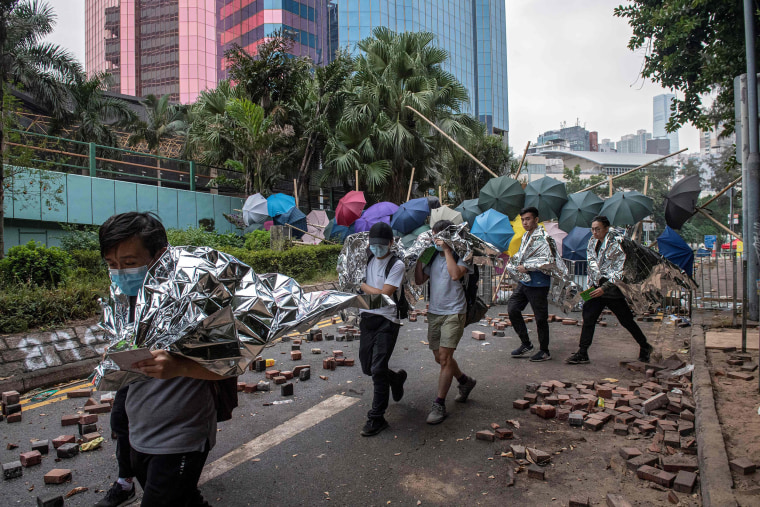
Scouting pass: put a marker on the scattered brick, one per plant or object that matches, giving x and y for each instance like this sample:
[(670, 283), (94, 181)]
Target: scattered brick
[(263, 386), (531, 397), (740, 375), (485, 435), (677, 463), (67, 451), (518, 451), (575, 419), (63, 439), (11, 397), (685, 482), (51, 501), (316, 351), (30, 458), (546, 411), (304, 374), (655, 402), (478, 335), (12, 470), (270, 374), (250, 388), (503, 433), (539, 456), (629, 453), (279, 379), (41, 446), (639, 461), (14, 418), (87, 428), (286, 389), (99, 408), (295, 355), (536, 472), (672, 439), (287, 374), (661, 477), (520, 404), (90, 401), (617, 501), (624, 419), (620, 429), (241, 387), (58, 476), (742, 466), (593, 424), (89, 437)]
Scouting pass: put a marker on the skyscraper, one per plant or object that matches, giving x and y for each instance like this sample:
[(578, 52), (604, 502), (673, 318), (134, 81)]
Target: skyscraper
[(661, 114)]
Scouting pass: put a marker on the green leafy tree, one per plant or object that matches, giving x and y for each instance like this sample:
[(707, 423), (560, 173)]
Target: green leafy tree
[(695, 47), (39, 68), (574, 182), (165, 120)]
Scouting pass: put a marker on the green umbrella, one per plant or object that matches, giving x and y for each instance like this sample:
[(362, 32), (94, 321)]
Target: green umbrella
[(548, 195), (579, 210), (410, 238), (503, 194), (469, 210), (626, 208)]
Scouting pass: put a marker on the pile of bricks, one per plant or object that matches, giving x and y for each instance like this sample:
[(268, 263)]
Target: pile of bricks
[(347, 333), (741, 365), (11, 407), (528, 458)]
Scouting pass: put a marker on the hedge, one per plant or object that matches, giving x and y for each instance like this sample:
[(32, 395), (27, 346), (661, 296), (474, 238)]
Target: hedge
[(300, 262)]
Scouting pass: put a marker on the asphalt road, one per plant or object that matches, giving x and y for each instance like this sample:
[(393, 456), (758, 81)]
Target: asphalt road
[(310, 452)]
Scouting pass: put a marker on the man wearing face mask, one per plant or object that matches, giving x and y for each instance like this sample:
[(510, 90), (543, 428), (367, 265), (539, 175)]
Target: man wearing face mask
[(164, 425), (379, 328)]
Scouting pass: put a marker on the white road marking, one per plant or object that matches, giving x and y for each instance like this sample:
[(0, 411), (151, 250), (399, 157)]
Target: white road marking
[(276, 436)]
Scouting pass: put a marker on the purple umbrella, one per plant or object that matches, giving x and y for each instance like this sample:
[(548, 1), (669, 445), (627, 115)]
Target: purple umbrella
[(380, 212)]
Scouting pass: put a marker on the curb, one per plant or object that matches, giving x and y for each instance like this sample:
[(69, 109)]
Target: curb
[(715, 478), (50, 376)]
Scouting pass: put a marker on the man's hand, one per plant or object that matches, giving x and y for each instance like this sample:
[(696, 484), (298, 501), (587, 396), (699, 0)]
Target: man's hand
[(521, 269), (597, 293), (162, 366), (442, 243)]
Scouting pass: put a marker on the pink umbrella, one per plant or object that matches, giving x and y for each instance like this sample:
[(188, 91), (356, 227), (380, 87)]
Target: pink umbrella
[(350, 208), (316, 222), (553, 230), (268, 224)]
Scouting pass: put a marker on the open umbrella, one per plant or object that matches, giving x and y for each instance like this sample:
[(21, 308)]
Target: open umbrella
[(681, 201), (627, 208), (548, 195), (410, 238), (338, 233), (410, 215), (504, 194), (445, 213), (672, 246), (380, 212), (553, 230), (316, 222), (579, 210), (294, 217), (433, 202), (268, 224), (277, 204), (253, 227), (255, 210), (514, 244), (469, 210), (575, 243), (494, 227), (350, 208)]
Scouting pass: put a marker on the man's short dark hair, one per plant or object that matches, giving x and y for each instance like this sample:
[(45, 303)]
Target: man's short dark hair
[(530, 209), (441, 225), (601, 219), (145, 226)]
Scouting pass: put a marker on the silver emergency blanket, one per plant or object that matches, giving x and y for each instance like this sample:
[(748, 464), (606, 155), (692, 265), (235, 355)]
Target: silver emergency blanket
[(644, 276), (538, 251), (210, 307)]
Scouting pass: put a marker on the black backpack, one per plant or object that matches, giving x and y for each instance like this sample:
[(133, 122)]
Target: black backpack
[(402, 305), (225, 398), (476, 307)]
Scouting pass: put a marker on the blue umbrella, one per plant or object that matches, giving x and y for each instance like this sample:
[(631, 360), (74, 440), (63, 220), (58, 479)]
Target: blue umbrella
[(410, 215), (674, 248), (494, 227), (380, 212), (575, 243), (277, 204), (294, 217), (339, 233)]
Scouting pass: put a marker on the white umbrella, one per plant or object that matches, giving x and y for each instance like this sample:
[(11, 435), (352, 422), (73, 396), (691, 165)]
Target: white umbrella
[(255, 210), (316, 222), (445, 213)]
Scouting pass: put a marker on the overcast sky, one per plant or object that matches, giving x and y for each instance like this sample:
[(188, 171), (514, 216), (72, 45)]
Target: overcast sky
[(568, 61)]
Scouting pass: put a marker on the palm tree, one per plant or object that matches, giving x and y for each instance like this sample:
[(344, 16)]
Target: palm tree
[(378, 135), (40, 69)]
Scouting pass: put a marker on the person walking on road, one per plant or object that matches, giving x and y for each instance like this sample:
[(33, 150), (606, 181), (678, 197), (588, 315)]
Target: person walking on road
[(447, 314), (605, 262), (534, 291), (379, 328)]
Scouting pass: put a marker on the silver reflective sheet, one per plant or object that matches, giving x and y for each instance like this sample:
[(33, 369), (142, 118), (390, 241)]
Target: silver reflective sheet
[(210, 307), (461, 241), (538, 251)]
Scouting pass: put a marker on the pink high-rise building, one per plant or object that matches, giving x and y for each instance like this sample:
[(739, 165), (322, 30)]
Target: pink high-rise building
[(153, 46)]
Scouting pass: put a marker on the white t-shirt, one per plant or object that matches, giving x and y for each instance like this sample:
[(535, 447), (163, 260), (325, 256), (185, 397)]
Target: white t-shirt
[(446, 294), (376, 278)]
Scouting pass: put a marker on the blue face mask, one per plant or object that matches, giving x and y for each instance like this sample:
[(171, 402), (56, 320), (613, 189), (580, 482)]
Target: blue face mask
[(438, 247), (129, 280), (379, 250)]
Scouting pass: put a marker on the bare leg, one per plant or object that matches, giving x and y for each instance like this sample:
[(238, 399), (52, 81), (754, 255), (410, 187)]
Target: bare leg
[(449, 370)]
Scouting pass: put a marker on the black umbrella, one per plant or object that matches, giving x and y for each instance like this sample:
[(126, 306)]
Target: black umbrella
[(681, 201)]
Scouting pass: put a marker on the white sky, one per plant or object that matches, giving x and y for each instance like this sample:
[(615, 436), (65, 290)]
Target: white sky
[(568, 60)]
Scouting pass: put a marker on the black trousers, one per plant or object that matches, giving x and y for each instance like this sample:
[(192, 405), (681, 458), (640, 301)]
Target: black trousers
[(538, 297), (593, 308), (170, 480), (120, 429), (376, 343)]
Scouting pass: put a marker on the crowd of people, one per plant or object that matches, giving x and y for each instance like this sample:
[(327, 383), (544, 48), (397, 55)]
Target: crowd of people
[(165, 424)]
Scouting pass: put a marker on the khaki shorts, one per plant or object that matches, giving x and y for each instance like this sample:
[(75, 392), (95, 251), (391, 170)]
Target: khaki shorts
[(445, 330)]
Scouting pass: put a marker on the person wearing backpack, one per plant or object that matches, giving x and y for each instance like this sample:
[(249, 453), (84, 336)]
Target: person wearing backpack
[(447, 315), (165, 424), (379, 328)]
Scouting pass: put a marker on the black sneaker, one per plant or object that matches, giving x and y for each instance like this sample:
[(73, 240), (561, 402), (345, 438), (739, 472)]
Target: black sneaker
[(578, 358), (117, 496), (522, 349), (374, 426), (645, 353), (540, 356), (397, 388)]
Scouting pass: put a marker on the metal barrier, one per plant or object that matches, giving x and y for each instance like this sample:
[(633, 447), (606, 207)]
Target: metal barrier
[(720, 277)]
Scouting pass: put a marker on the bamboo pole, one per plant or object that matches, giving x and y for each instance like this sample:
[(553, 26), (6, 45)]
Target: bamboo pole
[(411, 180), (525, 153), (310, 234), (609, 179), (440, 193), (634, 169), (295, 191), (357, 180), (444, 134), (498, 285), (737, 180), (726, 229)]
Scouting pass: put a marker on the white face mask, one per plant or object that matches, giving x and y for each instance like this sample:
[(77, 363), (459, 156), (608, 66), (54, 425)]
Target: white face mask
[(379, 250), (129, 280)]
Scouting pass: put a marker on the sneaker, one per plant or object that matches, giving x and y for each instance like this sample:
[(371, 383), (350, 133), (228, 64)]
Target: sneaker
[(540, 356), (645, 353), (522, 349), (465, 390), (437, 414), (374, 426), (397, 388), (117, 496), (578, 358)]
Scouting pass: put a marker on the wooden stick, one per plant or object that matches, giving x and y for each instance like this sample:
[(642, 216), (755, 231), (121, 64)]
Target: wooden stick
[(609, 179), (737, 180), (525, 153), (633, 170), (357, 180), (481, 164), (700, 210), (440, 193), (411, 180), (310, 234), (498, 285), (295, 191)]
